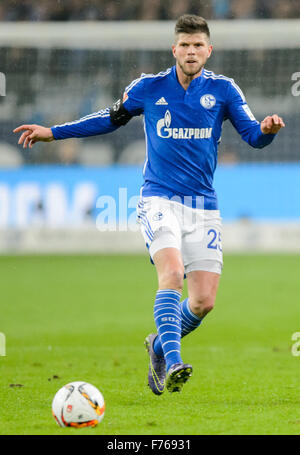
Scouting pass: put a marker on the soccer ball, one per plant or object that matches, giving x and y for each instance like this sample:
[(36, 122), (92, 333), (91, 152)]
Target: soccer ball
[(78, 404)]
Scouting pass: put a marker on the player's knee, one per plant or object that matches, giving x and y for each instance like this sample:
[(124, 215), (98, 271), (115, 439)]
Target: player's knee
[(172, 279), (201, 305)]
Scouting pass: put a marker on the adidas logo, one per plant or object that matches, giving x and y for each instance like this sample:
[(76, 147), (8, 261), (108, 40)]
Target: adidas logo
[(161, 102)]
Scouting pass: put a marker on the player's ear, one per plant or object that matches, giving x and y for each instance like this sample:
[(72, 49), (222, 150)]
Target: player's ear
[(210, 48), (174, 50)]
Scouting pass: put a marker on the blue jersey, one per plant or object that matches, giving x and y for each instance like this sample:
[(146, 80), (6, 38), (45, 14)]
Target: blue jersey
[(182, 128)]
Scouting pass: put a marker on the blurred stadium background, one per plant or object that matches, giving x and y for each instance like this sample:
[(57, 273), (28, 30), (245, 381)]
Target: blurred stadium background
[(61, 60)]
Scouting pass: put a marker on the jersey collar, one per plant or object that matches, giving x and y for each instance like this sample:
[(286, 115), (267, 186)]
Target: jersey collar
[(195, 82)]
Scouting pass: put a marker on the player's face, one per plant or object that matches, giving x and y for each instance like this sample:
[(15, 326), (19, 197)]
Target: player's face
[(191, 52)]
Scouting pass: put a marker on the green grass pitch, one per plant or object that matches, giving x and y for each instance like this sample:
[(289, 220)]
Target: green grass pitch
[(86, 317)]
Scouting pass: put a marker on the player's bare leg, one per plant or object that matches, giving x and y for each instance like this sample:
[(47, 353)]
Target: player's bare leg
[(169, 267), (202, 291)]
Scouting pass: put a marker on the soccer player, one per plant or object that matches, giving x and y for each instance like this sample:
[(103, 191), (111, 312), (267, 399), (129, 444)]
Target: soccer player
[(184, 108)]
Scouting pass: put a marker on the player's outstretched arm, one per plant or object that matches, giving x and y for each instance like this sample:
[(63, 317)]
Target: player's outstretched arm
[(101, 122), (33, 134), (271, 124)]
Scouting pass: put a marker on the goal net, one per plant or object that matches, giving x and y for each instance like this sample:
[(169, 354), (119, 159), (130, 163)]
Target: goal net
[(56, 72), (52, 73)]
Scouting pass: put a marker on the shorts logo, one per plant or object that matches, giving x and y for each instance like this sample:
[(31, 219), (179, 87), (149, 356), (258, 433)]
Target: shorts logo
[(157, 217), (208, 101)]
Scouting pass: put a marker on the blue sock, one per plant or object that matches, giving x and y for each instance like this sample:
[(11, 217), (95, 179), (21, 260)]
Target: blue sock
[(167, 317), (189, 322)]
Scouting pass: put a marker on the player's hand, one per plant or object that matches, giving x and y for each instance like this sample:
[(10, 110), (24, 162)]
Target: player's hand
[(33, 134), (272, 124)]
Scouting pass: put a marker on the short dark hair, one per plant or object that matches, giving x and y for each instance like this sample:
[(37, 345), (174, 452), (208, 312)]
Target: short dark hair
[(190, 23)]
